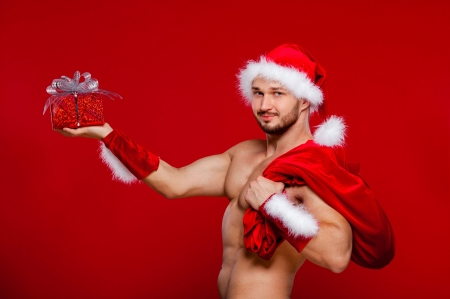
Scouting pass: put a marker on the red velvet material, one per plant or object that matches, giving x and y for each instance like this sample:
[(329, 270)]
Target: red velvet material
[(298, 242), (139, 161), (324, 170), (262, 237), (291, 55)]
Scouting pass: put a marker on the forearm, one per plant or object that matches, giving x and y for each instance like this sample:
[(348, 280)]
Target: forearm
[(331, 248), (130, 162), (321, 234), (184, 182)]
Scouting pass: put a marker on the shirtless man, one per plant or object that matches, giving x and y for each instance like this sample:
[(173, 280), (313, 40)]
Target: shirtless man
[(284, 116)]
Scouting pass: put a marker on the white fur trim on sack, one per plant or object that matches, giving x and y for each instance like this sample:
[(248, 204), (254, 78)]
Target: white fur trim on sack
[(331, 132), (295, 81), (295, 218), (119, 171)]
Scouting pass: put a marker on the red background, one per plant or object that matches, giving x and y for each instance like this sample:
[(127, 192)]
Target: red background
[(67, 231)]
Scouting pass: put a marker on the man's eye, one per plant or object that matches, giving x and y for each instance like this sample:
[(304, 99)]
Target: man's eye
[(257, 93), (278, 93)]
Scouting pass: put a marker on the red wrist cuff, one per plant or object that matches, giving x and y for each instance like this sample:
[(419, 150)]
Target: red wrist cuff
[(139, 161)]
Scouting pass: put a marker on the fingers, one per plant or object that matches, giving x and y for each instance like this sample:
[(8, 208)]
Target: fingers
[(264, 183), (251, 199), (75, 132), (260, 190), (248, 195), (80, 132), (71, 132), (96, 132), (62, 132)]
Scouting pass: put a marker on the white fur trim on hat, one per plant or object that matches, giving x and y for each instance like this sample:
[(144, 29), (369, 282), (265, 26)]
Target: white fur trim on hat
[(295, 81), (331, 132), (295, 218), (119, 171)]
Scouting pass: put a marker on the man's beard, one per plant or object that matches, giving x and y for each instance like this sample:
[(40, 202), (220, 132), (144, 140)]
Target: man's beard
[(285, 122)]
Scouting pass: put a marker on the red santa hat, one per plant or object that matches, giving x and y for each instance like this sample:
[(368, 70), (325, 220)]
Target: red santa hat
[(301, 74)]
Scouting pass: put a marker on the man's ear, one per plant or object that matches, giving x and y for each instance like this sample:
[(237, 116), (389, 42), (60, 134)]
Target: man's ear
[(304, 104)]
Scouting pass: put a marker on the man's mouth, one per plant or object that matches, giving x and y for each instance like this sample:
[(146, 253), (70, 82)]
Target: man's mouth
[(267, 115)]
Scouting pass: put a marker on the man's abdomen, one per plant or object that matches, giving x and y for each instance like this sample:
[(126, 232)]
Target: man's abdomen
[(244, 274)]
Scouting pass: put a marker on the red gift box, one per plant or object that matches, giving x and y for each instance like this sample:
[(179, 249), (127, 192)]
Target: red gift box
[(73, 111), (75, 104)]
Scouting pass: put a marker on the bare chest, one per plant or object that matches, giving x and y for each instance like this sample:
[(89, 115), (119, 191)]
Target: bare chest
[(244, 170)]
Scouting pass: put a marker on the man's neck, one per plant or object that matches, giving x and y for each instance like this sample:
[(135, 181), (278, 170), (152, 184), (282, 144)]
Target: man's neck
[(296, 135)]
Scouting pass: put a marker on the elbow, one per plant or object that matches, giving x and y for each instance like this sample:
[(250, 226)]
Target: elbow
[(341, 256), (170, 194), (339, 262), (339, 265), (167, 191), (174, 193)]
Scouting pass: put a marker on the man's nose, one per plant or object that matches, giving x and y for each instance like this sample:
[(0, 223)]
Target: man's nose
[(266, 103)]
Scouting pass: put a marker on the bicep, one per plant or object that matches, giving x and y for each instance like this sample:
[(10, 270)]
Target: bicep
[(204, 177)]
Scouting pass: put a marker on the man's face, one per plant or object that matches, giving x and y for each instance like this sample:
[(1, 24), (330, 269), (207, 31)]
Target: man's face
[(275, 108)]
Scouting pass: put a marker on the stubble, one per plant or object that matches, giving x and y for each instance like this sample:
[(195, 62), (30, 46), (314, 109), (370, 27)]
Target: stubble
[(286, 121)]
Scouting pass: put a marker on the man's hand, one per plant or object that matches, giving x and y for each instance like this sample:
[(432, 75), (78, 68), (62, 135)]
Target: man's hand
[(260, 190), (96, 132)]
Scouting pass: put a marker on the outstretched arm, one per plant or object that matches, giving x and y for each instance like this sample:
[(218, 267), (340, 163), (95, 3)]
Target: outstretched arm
[(331, 245), (204, 177)]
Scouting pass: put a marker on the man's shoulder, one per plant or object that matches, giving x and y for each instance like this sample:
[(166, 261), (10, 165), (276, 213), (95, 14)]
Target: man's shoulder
[(312, 147), (248, 147), (311, 153)]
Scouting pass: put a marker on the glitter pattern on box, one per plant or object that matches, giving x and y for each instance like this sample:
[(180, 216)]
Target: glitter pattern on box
[(77, 111), (75, 104)]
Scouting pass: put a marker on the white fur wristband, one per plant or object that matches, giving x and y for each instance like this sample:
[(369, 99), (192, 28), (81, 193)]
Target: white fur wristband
[(295, 218), (119, 171)]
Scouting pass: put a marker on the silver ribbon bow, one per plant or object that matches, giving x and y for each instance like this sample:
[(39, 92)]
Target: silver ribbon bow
[(66, 86)]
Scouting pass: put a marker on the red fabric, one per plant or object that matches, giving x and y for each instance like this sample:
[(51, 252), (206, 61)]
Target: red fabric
[(139, 161), (298, 242), (262, 237), (324, 170), (291, 55)]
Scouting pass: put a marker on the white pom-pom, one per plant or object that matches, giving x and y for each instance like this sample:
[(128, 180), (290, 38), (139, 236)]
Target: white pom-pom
[(119, 171), (331, 132), (295, 218)]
